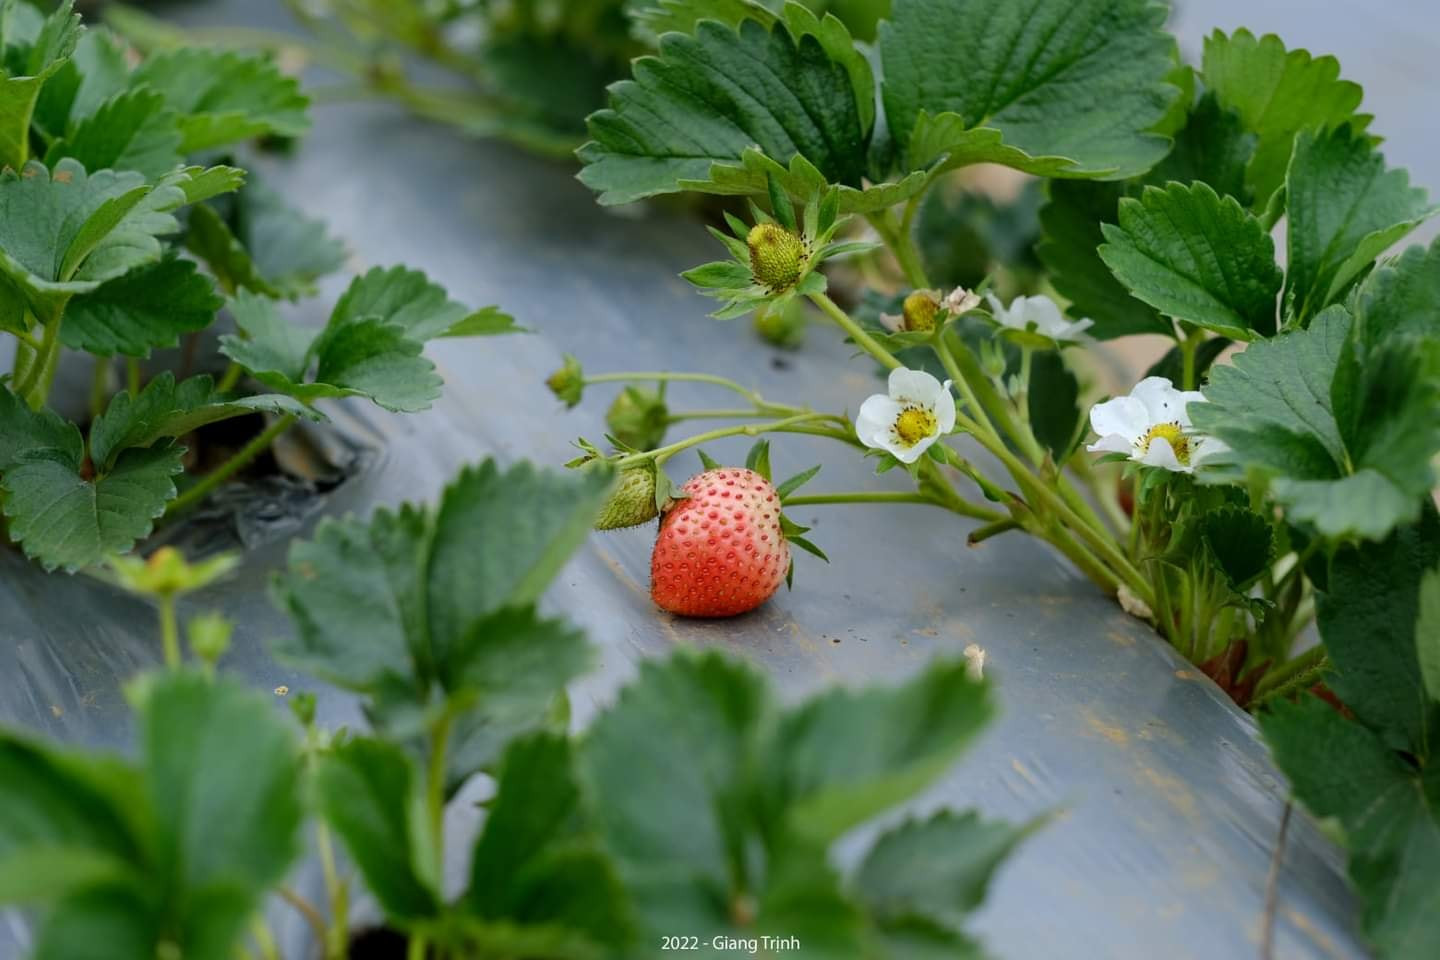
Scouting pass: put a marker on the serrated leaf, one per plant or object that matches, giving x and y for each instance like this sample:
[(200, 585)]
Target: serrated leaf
[(64, 232), (1427, 633), (1019, 97), (403, 297), (42, 52), (1213, 146), (369, 791), (1197, 257), (60, 517), (536, 863), (684, 112), (1240, 542), (165, 409), (1053, 403), (1071, 221), (1277, 93), (937, 868), (131, 131), (1390, 815), (260, 243), (1339, 444), (485, 322), (224, 97), (1401, 298), (1344, 209), (1367, 618), (149, 307), (845, 756)]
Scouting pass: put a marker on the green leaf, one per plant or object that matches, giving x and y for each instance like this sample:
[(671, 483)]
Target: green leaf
[(149, 307), (1277, 93), (1344, 209), (1390, 814), (165, 409), (1053, 402), (1057, 87), (61, 518), (224, 97), (64, 232), (1213, 147), (217, 753), (707, 98), (485, 322), (260, 243), (758, 459), (1367, 618), (796, 482), (1240, 542), (937, 868), (403, 298), (1071, 222), (537, 863), (369, 791), (131, 131), (1427, 633), (374, 359), (845, 756), (1196, 256), (276, 352), (1400, 299), (25, 71), (1338, 444)]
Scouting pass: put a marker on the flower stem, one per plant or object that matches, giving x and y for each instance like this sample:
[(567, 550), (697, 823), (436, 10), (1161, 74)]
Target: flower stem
[(229, 468), (169, 632), (789, 424), (857, 496), (230, 378), (99, 386), (661, 377), (132, 376), (34, 387), (862, 339), (1296, 674), (980, 534), (901, 241), (435, 786)]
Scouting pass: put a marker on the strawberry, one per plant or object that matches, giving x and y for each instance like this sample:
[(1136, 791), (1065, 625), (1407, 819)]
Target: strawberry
[(721, 550)]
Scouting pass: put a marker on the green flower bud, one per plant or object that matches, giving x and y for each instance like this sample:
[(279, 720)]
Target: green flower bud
[(919, 311), (633, 501), (166, 573), (210, 637), (303, 706), (783, 327), (638, 418), (776, 256), (568, 383)]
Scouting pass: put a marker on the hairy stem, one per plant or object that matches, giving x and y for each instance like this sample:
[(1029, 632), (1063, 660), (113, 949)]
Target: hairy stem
[(1298, 672), (169, 632), (789, 424), (862, 339), (229, 468), (900, 239)]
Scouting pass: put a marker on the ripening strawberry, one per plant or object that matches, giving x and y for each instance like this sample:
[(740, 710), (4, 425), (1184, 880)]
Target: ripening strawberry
[(720, 551)]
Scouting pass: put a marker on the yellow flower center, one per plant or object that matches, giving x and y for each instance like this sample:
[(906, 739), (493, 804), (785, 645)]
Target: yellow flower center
[(776, 256), (914, 424), (920, 309), (1173, 434)]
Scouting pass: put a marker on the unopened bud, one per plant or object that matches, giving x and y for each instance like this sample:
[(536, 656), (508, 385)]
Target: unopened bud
[(919, 311), (568, 383), (776, 256), (210, 637), (633, 501), (638, 418)]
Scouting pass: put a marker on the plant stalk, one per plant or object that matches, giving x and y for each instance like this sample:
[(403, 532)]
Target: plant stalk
[(229, 468)]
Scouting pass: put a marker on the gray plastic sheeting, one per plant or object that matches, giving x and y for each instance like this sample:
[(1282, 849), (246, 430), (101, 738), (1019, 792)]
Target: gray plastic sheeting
[(1168, 805)]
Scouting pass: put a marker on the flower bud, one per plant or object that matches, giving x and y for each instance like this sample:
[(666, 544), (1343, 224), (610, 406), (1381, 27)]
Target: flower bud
[(783, 326), (568, 383), (919, 311), (165, 573), (210, 637), (633, 501), (777, 256), (638, 418)]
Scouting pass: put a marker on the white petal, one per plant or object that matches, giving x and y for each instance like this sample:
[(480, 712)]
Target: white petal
[(998, 311), (875, 423), (910, 454), (1074, 331), (1125, 416), (1159, 454), (1113, 443), (1041, 311), (1202, 448), (1188, 397), (893, 322), (944, 410), (1163, 403), (914, 386)]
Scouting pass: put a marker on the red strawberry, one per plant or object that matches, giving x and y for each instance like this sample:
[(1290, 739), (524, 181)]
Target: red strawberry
[(720, 551)]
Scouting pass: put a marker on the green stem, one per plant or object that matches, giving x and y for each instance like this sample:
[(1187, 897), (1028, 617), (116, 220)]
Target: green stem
[(169, 632), (338, 932), (664, 453), (1022, 402), (133, 376), (857, 496), (230, 378), (35, 387), (1188, 346), (980, 534), (435, 785), (862, 339), (901, 241), (967, 391), (660, 377), (417, 948), (1297, 673), (264, 939), (680, 416), (203, 487), (99, 386), (26, 338)]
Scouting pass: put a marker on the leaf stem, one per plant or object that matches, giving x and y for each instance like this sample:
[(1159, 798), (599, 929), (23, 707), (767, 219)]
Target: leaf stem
[(980, 534), (242, 458), (862, 339), (901, 241), (857, 496), (99, 386), (133, 376), (169, 632), (306, 909), (1283, 679), (230, 378), (435, 786), (788, 424), (35, 387)]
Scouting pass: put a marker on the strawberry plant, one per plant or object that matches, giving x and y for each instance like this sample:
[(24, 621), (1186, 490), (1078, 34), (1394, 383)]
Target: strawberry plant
[(1267, 479), (695, 803), (113, 244)]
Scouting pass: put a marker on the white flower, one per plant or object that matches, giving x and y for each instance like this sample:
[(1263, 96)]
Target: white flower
[(1152, 426), (1037, 314), (918, 411)]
